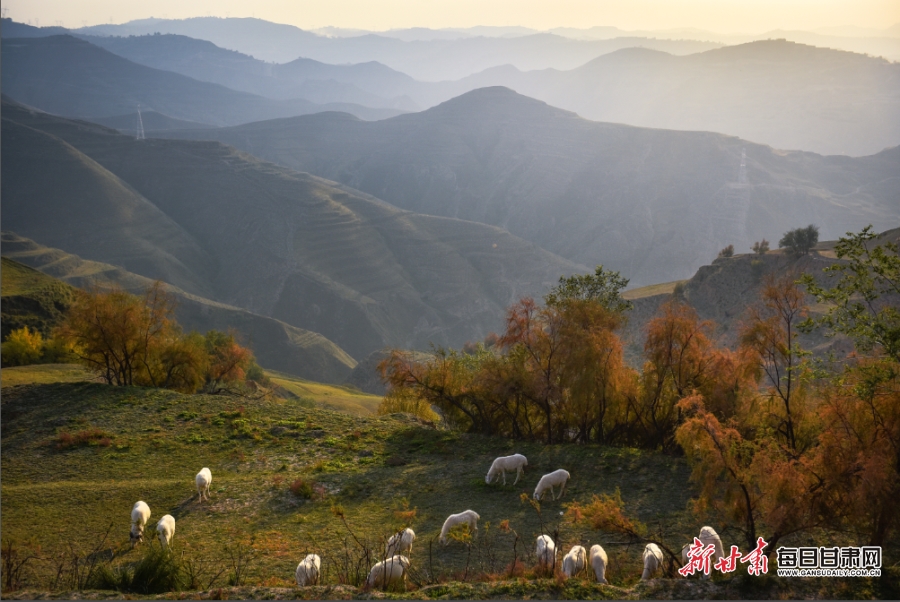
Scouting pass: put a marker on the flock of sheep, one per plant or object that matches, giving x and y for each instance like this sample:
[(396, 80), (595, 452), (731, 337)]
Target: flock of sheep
[(392, 570)]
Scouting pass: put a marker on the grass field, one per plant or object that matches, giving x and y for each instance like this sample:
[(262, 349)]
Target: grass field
[(76, 456), (332, 397), (664, 288)]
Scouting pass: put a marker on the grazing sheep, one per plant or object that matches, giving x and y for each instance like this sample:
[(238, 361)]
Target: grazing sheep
[(598, 563), (400, 542), (203, 479), (140, 514), (575, 561), (388, 572), (545, 550), (515, 462), (469, 517), (165, 528), (549, 481), (653, 559), (708, 536), (308, 570)]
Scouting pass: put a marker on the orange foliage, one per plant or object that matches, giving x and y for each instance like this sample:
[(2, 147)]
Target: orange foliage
[(604, 513)]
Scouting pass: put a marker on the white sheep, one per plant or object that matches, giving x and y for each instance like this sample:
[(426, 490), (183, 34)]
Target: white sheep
[(575, 561), (307, 572), (708, 536), (388, 572), (515, 462), (165, 528), (469, 517), (140, 514), (549, 481), (599, 562), (400, 542), (653, 559), (545, 550), (203, 480)]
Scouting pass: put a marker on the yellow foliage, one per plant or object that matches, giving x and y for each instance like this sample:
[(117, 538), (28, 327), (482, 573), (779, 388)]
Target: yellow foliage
[(22, 347), (406, 400)]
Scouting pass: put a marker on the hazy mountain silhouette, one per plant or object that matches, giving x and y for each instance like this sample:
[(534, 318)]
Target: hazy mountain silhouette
[(430, 60), (370, 84), (279, 243), (70, 77), (653, 204), (277, 345), (768, 92), (787, 95)]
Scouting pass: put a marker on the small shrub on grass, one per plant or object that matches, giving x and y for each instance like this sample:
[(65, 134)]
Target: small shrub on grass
[(87, 437), (157, 572), (302, 489)]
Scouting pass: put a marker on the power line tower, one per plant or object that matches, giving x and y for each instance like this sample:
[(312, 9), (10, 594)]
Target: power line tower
[(742, 173), (139, 131)]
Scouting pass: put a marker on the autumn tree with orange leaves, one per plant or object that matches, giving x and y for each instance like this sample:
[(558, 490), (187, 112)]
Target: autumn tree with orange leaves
[(135, 340)]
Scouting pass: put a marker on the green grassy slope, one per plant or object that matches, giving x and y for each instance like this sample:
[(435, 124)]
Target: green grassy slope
[(30, 298), (276, 345), (653, 204), (312, 253), (159, 440), (371, 467)]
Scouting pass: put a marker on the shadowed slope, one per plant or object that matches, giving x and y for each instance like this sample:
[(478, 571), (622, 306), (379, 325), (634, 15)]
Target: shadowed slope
[(653, 204), (312, 253), (53, 192), (276, 345)]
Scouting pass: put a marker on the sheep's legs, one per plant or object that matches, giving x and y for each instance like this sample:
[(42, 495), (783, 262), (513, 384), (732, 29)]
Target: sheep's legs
[(518, 474), (504, 477)]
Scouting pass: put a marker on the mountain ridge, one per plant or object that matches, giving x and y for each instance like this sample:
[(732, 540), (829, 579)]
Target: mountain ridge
[(653, 204)]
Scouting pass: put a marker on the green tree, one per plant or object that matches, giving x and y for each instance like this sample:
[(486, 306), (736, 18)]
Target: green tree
[(603, 287), (865, 297), (799, 241), (761, 247)]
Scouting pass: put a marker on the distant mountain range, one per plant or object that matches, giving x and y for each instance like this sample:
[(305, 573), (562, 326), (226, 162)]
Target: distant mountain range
[(768, 92), (370, 84), (432, 60), (653, 204), (772, 92), (228, 227), (70, 77)]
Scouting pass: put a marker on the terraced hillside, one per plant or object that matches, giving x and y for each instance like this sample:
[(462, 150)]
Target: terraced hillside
[(653, 204), (279, 243), (277, 345)]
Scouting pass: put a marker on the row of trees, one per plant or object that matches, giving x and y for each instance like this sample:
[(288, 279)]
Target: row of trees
[(779, 443), (135, 340)]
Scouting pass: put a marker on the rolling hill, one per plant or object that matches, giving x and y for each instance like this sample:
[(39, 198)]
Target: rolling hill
[(787, 95), (653, 204), (279, 243), (276, 345), (370, 84), (768, 91), (70, 77), (31, 299)]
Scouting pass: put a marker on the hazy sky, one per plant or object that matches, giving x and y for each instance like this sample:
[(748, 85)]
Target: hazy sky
[(726, 16)]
